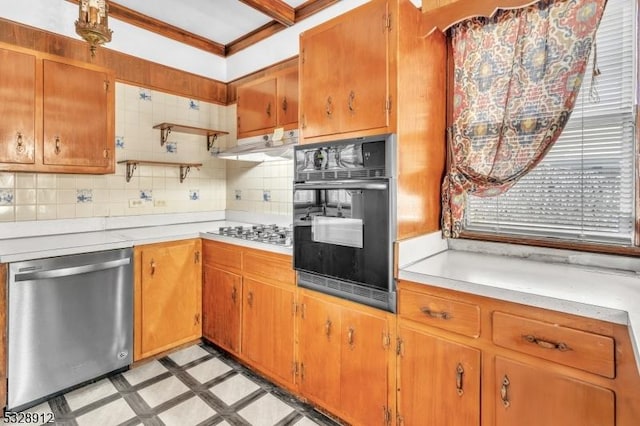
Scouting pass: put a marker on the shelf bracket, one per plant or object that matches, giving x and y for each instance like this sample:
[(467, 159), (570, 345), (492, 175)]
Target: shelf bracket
[(164, 134), (184, 171), (131, 167), (210, 140)]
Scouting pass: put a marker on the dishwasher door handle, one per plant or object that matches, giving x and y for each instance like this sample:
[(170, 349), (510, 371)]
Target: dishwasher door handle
[(73, 270)]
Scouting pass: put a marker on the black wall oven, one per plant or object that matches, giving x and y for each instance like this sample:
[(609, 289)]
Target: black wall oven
[(344, 219)]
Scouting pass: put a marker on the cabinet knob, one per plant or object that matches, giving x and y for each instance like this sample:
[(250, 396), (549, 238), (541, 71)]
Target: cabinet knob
[(329, 107), (352, 98), (57, 146), (459, 376), (284, 104), (504, 392), (19, 144)]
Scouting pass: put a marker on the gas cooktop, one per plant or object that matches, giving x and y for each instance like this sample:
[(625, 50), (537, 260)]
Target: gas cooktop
[(270, 234)]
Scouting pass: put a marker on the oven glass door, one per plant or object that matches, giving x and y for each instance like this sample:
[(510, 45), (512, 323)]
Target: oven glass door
[(341, 230)]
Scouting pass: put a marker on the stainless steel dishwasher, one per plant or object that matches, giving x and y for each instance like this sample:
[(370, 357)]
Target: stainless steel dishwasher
[(70, 321)]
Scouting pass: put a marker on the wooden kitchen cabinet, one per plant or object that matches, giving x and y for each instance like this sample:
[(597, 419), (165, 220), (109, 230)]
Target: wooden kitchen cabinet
[(168, 296), (530, 396), (58, 114), (371, 72), (345, 78), (522, 365), (17, 107), (438, 380), (344, 357), (221, 307), (267, 103)]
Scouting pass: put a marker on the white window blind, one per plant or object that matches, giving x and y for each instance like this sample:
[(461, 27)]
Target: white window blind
[(584, 188)]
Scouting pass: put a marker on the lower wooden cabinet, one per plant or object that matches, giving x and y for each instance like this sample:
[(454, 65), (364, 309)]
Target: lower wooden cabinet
[(168, 296), (249, 307), (438, 380), (526, 366), (222, 307), (532, 396), (344, 354)]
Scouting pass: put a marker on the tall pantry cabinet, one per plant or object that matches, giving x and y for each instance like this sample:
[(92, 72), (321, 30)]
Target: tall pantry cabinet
[(371, 72)]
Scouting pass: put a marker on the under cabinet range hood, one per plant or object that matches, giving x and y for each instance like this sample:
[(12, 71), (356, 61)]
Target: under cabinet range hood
[(262, 148)]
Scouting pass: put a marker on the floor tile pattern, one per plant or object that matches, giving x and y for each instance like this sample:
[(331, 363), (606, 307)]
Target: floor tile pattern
[(197, 386)]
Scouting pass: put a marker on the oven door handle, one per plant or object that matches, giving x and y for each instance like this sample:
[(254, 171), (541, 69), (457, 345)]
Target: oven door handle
[(344, 184)]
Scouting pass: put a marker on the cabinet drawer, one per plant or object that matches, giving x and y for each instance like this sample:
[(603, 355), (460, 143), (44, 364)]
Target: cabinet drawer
[(222, 255), (270, 267), (575, 348), (451, 315)]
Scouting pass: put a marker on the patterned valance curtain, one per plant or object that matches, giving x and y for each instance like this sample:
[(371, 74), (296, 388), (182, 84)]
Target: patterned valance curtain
[(516, 78)]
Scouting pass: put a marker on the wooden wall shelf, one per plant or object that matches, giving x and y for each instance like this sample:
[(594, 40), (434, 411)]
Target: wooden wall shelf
[(184, 167), (166, 128)]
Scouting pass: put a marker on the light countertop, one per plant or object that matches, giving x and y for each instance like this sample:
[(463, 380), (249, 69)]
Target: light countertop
[(598, 293)]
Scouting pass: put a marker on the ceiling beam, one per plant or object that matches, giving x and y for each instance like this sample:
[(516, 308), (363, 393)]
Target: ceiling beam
[(303, 11), (148, 23), (278, 10)]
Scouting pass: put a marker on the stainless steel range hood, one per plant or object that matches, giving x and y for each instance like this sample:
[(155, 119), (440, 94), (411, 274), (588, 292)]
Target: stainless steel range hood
[(262, 148)]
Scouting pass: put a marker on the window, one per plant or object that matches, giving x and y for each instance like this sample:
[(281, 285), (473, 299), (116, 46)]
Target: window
[(583, 190)]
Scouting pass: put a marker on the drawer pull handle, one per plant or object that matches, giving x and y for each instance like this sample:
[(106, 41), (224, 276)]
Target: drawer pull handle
[(327, 327), (19, 144), (153, 267), (459, 376), (234, 294), (250, 299), (57, 148), (504, 392), (435, 314), (350, 337), (562, 347)]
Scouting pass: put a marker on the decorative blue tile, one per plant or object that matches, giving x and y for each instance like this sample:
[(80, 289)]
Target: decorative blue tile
[(194, 194), (171, 147), (146, 195), (6, 197), (145, 94), (194, 104), (119, 142), (84, 196), (238, 194), (266, 195)]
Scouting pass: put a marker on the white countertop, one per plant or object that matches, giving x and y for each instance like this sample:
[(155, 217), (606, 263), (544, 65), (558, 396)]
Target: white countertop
[(607, 295), (28, 248)]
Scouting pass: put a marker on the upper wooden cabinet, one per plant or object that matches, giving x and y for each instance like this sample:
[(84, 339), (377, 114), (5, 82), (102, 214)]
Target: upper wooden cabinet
[(17, 107), (371, 72), (58, 114), (344, 74), (268, 103)]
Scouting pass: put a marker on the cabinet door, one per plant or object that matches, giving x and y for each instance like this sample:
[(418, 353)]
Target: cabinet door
[(321, 67), (363, 375), (77, 116), (529, 396), (439, 381), (171, 295), (257, 108), (288, 99), (17, 107), (365, 86), (319, 351), (221, 307), (267, 338)]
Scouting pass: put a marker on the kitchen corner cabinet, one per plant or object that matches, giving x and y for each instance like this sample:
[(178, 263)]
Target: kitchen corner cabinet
[(268, 103), (344, 357), (58, 114), (168, 296), (248, 307), (370, 72), (488, 362)]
